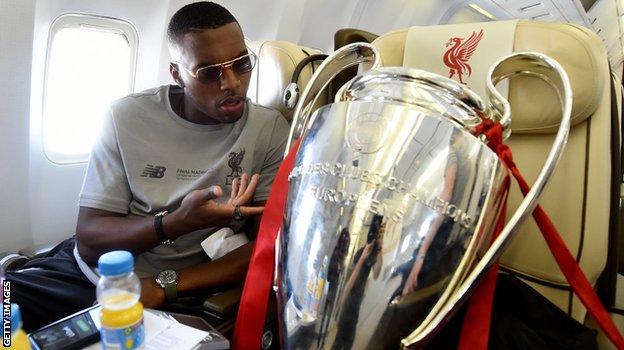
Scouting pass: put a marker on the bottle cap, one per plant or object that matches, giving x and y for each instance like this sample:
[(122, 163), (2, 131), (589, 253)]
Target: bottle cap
[(115, 263), (16, 317)]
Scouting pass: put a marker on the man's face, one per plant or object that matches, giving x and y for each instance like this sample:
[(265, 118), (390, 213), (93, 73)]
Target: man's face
[(224, 99)]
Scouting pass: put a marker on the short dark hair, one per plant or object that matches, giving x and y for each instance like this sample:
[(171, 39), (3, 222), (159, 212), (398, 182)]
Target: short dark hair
[(196, 17)]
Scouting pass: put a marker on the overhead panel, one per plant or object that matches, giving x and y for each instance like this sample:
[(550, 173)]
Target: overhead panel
[(606, 19), (474, 11), (603, 17), (546, 10)]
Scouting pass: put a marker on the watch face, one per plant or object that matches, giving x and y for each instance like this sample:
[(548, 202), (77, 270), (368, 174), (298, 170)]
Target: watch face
[(167, 276)]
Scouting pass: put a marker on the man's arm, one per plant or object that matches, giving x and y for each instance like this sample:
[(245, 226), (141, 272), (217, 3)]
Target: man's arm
[(99, 231), (230, 269), (227, 270), (252, 226)]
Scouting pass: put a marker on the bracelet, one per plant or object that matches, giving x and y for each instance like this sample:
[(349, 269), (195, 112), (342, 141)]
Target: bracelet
[(238, 215), (158, 227)]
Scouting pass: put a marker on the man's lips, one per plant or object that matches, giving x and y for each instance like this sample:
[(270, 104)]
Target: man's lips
[(231, 101), (232, 105)]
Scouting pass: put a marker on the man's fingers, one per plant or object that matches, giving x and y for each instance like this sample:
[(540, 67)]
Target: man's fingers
[(251, 211), (246, 196), (235, 187), (210, 193), (244, 181)]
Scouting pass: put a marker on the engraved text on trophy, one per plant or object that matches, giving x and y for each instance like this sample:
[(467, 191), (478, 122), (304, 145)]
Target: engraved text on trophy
[(378, 207)]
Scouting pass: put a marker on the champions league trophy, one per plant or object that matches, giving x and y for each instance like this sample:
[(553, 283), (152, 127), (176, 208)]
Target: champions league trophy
[(392, 201)]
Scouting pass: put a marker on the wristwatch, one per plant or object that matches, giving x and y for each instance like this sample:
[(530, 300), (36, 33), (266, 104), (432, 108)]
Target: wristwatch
[(158, 227), (168, 280)]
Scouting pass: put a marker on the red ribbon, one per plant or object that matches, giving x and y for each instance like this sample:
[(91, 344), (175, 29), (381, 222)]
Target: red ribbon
[(254, 300), (474, 335), (478, 315)]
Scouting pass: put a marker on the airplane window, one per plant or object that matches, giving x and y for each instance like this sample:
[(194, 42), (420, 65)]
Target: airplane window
[(90, 63)]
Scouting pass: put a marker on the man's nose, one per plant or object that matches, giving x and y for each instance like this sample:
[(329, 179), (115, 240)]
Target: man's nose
[(229, 79)]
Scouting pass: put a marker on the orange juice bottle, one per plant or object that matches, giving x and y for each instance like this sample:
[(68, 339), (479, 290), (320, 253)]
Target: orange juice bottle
[(118, 291)]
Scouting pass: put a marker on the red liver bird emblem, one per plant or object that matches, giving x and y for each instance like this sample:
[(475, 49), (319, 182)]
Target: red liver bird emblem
[(457, 56)]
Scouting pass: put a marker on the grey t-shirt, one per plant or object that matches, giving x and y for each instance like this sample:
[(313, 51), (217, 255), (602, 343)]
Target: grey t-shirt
[(148, 158)]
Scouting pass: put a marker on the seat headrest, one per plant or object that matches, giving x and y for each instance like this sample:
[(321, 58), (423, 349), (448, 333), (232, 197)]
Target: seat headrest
[(347, 36), (535, 107), (277, 61)]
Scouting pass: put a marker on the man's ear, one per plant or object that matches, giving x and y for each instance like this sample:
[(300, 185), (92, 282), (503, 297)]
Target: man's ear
[(175, 74)]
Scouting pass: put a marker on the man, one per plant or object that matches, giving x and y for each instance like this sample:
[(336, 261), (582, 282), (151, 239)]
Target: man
[(170, 168)]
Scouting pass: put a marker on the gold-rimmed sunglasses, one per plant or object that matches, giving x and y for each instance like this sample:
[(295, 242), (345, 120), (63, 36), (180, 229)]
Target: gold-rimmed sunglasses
[(211, 73)]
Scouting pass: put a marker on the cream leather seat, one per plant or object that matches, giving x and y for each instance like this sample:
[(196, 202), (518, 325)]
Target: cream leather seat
[(277, 61), (578, 197)]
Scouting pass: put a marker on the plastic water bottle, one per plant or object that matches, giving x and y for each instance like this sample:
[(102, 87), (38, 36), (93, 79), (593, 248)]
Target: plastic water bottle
[(19, 339), (118, 291)]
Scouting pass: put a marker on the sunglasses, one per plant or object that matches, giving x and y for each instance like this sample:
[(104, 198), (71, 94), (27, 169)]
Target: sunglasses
[(212, 73)]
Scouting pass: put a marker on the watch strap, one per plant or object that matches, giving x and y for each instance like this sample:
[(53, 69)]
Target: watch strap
[(158, 227), (171, 291)]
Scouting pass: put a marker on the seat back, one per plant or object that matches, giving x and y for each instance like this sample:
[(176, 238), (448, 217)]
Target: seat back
[(578, 196), (277, 61), (344, 37)]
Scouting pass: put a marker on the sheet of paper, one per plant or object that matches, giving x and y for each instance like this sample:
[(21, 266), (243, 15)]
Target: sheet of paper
[(164, 332), (176, 336), (155, 324)]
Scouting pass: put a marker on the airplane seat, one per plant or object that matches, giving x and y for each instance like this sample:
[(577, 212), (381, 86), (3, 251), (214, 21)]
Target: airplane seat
[(347, 36), (10, 261), (344, 37), (617, 296), (579, 195), (277, 61)]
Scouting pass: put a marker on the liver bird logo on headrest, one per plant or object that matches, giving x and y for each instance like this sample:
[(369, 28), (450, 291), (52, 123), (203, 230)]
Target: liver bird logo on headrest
[(457, 56)]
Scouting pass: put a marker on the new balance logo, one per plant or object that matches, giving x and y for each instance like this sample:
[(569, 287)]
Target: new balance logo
[(154, 171)]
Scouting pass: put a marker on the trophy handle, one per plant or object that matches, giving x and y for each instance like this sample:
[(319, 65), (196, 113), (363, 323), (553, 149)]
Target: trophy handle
[(549, 70), (343, 58)]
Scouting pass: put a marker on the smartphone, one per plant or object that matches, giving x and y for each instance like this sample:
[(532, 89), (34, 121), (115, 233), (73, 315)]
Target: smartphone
[(72, 332)]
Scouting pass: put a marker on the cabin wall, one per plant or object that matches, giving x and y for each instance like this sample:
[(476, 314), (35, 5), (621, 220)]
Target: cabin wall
[(16, 33)]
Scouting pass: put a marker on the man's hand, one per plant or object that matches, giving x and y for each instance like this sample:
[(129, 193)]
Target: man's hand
[(243, 189), (152, 295), (200, 210)]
